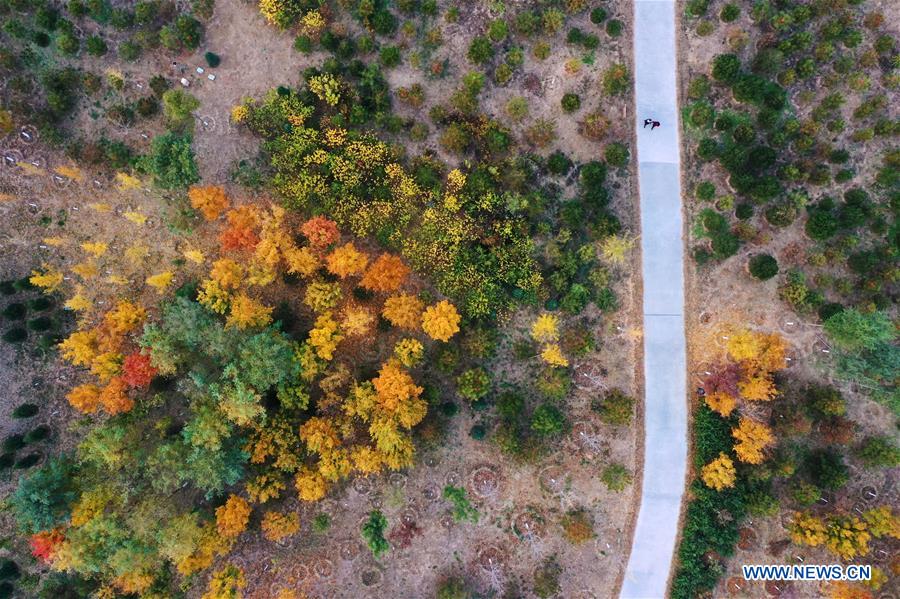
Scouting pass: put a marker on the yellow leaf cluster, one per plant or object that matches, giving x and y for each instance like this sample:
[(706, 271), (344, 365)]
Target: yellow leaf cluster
[(210, 200), (125, 317), (160, 281), (324, 337), (321, 296), (409, 351), (357, 321), (765, 351), (126, 182), (84, 398), (545, 329), (310, 485), (86, 270), (346, 261), (264, 487), (758, 386), (721, 403), (106, 366), (96, 249), (247, 312), (79, 303), (404, 311), (227, 582), (195, 256), (233, 516), (137, 218), (552, 355), (441, 321), (806, 529), (277, 525), (301, 261), (385, 275), (752, 438), (48, 278), (79, 348), (719, 474)]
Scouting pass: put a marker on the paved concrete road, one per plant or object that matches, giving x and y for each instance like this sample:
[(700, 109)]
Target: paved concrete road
[(665, 406)]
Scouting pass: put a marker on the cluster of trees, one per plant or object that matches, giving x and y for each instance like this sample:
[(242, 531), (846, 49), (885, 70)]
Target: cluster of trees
[(778, 161), (746, 441), (224, 400), (43, 36)]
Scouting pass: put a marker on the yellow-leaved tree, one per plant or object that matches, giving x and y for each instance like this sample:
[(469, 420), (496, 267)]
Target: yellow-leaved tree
[(441, 321), (719, 474), (752, 438)]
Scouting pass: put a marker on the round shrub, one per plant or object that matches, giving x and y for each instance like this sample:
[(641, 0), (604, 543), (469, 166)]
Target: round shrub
[(616, 154), (389, 56), (726, 68), (15, 311), (212, 59), (828, 310), (25, 410), (570, 102), (8, 288), (614, 27), (705, 191), (40, 324), (95, 45), (37, 434), (744, 211), (14, 442), (477, 432), (9, 569), (781, 214), (473, 384), (480, 50), (558, 163), (498, 30), (7, 460), (593, 174), (449, 409), (28, 461), (547, 420), (763, 266), (598, 15), (730, 13), (15, 335), (39, 304)]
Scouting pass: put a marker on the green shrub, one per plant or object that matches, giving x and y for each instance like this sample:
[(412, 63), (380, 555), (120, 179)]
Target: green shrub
[(616, 154), (15, 311), (14, 442), (473, 384), (452, 588), (744, 211), (9, 569), (7, 460), (614, 27), (763, 266), (696, 8), (95, 45), (878, 452), (37, 434), (730, 13), (570, 102), (480, 50), (477, 432), (598, 15), (212, 59), (616, 408), (726, 68), (547, 420), (171, 161), (28, 461), (303, 43), (178, 106), (373, 533), (616, 80), (462, 508), (15, 335), (616, 477), (558, 163), (781, 214), (705, 191), (498, 30), (510, 405), (8, 288), (804, 493), (25, 410), (389, 56), (826, 468), (546, 578), (40, 324)]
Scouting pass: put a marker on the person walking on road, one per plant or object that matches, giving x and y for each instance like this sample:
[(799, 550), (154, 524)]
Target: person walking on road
[(653, 124)]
